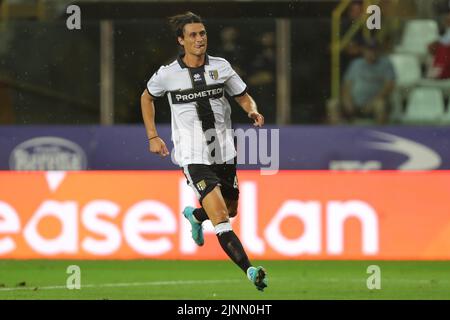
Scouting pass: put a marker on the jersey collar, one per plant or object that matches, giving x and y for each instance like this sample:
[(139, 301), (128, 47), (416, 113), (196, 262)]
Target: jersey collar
[(183, 65)]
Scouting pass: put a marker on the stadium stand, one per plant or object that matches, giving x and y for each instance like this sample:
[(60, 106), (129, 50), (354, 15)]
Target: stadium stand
[(418, 99), (425, 105), (407, 69), (408, 73), (446, 117), (417, 35)]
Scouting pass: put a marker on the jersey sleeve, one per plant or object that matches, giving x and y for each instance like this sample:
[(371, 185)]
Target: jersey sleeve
[(155, 85), (234, 85)]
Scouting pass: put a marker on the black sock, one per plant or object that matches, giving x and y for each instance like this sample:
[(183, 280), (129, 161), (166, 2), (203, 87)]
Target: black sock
[(232, 246), (200, 214)]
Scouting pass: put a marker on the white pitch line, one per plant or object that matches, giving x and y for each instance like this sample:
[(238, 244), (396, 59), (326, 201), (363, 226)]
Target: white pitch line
[(200, 282), (129, 284), (389, 280)]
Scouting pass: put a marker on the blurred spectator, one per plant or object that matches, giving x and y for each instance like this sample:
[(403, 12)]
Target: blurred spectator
[(367, 86), (231, 50), (354, 48), (440, 65), (262, 74)]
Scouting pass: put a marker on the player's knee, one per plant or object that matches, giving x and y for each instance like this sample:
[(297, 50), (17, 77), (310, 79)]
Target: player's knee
[(222, 214)]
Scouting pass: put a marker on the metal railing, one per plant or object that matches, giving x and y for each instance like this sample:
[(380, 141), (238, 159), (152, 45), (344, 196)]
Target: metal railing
[(338, 43), (10, 10)]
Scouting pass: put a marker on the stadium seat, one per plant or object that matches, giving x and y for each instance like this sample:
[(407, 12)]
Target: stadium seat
[(446, 118), (442, 84), (408, 74), (425, 105), (417, 35), (407, 69)]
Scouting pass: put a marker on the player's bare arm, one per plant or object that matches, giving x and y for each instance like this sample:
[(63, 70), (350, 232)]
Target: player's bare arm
[(156, 144), (249, 105)]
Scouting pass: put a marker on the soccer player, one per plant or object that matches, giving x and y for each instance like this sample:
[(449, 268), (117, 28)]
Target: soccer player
[(201, 131)]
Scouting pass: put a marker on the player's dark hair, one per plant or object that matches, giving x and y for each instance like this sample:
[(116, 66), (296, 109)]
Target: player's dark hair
[(178, 22)]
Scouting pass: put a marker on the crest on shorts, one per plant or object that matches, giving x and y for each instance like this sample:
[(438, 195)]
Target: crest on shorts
[(214, 74), (201, 185)]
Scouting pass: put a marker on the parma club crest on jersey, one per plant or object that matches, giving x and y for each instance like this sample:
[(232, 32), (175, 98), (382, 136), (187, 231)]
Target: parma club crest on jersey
[(214, 74)]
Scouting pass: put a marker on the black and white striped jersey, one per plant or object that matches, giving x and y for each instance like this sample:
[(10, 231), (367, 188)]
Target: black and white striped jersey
[(201, 122)]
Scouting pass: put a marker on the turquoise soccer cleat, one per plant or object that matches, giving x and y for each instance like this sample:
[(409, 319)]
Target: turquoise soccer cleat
[(197, 230), (258, 276)]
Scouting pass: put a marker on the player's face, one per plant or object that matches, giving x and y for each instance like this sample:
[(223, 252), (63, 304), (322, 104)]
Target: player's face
[(194, 39)]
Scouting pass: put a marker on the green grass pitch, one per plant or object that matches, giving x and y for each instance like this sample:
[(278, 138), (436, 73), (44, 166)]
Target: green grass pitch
[(150, 279)]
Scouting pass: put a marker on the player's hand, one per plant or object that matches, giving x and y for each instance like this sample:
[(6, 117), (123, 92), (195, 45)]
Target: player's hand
[(158, 146), (258, 118)]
